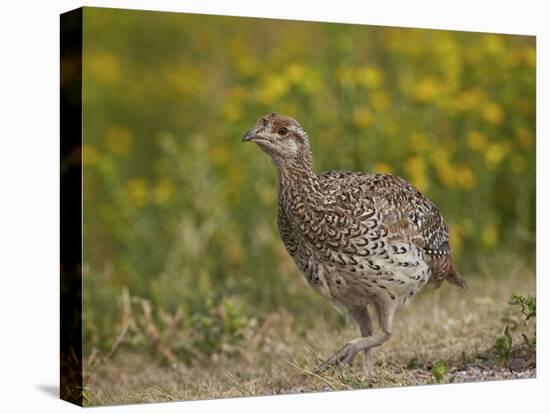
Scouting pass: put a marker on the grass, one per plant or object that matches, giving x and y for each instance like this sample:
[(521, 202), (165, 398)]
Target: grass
[(444, 328)]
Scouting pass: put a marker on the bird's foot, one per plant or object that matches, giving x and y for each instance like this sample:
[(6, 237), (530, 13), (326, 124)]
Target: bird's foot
[(344, 355), (366, 368)]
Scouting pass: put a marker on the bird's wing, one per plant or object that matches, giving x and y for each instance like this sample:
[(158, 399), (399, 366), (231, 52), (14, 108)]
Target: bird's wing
[(381, 221), (369, 204)]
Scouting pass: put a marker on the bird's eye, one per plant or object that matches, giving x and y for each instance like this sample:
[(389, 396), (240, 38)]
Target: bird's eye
[(282, 131)]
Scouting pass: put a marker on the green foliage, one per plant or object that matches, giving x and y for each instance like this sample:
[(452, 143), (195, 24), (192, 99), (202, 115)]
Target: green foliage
[(528, 305), (218, 328), (530, 343), (177, 210), (504, 345), (440, 371)]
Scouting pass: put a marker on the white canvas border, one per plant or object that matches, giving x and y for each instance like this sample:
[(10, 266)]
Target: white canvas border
[(29, 235)]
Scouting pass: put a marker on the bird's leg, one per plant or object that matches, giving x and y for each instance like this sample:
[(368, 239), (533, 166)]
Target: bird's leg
[(361, 315), (347, 353)]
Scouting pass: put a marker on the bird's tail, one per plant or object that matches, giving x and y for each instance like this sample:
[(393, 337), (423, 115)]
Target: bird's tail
[(454, 278), (443, 269)]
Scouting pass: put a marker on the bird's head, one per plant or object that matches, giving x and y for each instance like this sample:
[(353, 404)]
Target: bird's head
[(281, 137)]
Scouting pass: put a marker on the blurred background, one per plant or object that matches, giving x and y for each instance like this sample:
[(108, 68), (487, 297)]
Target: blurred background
[(180, 217)]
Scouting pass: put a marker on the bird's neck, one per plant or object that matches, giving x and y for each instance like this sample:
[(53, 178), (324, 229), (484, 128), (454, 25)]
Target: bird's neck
[(297, 178)]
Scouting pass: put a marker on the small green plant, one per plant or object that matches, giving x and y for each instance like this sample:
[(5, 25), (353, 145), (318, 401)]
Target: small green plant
[(219, 328), (504, 345), (440, 371), (528, 305), (530, 343)]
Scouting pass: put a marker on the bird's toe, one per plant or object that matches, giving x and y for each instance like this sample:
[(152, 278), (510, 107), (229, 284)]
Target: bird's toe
[(344, 356)]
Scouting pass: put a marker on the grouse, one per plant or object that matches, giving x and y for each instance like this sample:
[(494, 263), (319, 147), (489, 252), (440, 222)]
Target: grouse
[(359, 238)]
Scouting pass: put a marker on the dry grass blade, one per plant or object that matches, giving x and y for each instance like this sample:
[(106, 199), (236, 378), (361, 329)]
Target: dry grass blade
[(240, 387), (153, 332), (119, 339), (320, 377)]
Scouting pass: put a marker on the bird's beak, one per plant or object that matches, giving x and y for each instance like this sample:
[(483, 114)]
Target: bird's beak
[(251, 133)]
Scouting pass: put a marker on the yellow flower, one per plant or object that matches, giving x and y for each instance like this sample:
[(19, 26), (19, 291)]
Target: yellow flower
[(476, 141), (489, 235), (445, 173), (305, 78), (295, 73), (465, 177), (118, 139), (163, 190), (90, 155), (104, 67), (382, 168), (369, 76), (495, 153), (274, 88), (379, 100), (469, 100), (493, 113), (427, 89), (137, 192), (416, 170), (443, 168), (362, 117), (494, 44)]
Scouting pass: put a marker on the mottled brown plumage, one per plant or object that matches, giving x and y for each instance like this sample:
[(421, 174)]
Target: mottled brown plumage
[(360, 239)]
